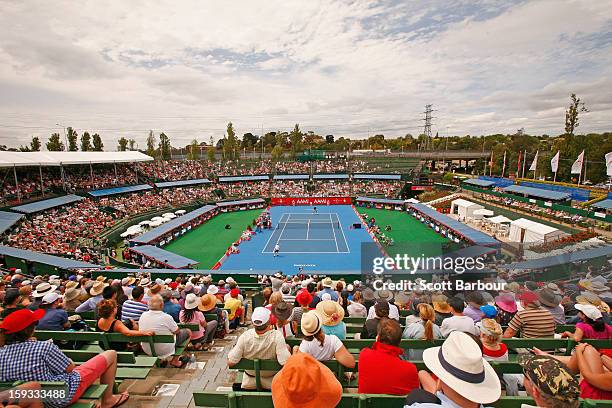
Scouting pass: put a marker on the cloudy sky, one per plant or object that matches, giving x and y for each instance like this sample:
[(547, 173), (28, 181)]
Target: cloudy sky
[(348, 68)]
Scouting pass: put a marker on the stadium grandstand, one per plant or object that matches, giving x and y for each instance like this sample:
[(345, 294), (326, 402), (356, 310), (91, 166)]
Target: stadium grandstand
[(257, 283)]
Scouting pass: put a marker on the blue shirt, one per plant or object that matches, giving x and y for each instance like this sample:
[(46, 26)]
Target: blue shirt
[(89, 305), (332, 293), (54, 319), (38, 361), (172, 309), (338, 330), (133, 309)]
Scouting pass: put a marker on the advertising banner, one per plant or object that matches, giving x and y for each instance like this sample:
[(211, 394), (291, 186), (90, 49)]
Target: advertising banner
[(311, 201)]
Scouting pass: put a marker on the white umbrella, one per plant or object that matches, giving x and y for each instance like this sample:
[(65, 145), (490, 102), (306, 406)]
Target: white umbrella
[(156, 223), (146, 222), (412, 200), (169, 215), (499, 219), (484, 212), (180, 212), (156, 219), (125, 234), (134, 230)]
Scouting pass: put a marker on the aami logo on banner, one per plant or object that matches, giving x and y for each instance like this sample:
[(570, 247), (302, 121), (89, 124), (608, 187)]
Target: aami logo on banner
[(421, 188), (311, 201)]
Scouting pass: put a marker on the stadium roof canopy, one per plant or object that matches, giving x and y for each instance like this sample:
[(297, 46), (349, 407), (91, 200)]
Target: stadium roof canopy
[(182, 183), (56, 261), (119, 190), (330, 176), (479, 182), (374, 200), (364, 176), (29, 159), (241, 202), (172, 225), (8, 219), (605, 204), (291, 177), (471, 234), (47, 204), (164, 257), (537, 192), (564, 259), (230, 179)]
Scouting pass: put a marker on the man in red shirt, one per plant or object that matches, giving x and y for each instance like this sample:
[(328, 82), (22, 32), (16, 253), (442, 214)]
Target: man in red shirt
[(381, 371)]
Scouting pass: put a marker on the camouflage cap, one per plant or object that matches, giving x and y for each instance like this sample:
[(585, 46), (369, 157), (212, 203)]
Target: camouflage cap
[(551, 376)]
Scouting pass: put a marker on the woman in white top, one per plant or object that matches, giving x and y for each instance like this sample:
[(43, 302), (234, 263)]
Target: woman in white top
[(355, 307), (423, 329), (321, 346)]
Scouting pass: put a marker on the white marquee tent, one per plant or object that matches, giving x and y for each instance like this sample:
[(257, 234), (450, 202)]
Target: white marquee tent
[(524, 230), (36, 159), (464, 208)]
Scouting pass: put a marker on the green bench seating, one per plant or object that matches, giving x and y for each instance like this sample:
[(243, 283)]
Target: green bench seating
[(93, 393), (264, 400)]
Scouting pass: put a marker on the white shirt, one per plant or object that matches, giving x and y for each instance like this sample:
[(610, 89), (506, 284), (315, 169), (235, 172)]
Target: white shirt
[(160, 323), (277, 247), (331, 344), (459, 323), (356, 309), (393, 312)]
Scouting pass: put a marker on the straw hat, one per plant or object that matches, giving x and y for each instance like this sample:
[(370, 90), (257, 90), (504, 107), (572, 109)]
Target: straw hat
[(127, 281), (101, 278), (331, 312), (588, 298), (305, 383), (145, 282), (590, 311), (207, 302), (460, 365), (368, 294), (548, 298), (191, 301), (327, 283), (212, 290), (42, 289), (97, 288), (383, 295), (440, 304), (311, 323), (155, 289), (71, 293), (71, 284)]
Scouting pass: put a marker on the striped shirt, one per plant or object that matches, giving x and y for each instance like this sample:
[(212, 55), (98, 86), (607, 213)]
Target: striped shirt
[(533, 322), (132, 309)]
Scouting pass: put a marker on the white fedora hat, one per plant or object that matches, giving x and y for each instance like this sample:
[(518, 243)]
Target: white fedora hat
[(192, 301), (460, 365), (42, 289)]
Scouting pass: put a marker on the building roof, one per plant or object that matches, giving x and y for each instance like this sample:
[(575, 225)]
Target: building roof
[(172, 225), (479, 182), (460, 202), (377, 176), (469, 233), (330, 176), (604, 204), (241, 202), (164, 257), (230, 179), (119, 190), (182, 183), (534, 226), (564, 259), (25, 159), (56, 261), (8, 219), (47, 204), (374, 200), (291, 177), (537, 192)]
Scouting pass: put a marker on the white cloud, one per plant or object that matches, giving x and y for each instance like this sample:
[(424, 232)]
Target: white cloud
[(342, 67)]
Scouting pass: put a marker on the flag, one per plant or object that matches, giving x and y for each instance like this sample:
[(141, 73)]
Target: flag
[(609, 164), (518, 167), (534, 164), (554, 163), (491, 164), (577, 166), (504, 166)]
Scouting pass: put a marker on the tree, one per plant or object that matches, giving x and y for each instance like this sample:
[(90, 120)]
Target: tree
[(132, 144), (55, 144), (571, 114), (231, 149), (86, 142), (164, 146), (329, 139), (151, 142), (122, 146), (35, 144), (72, 137), (193, 150), (210, 152), (295, 137), (98, 146), (249, 140), (277, 152)]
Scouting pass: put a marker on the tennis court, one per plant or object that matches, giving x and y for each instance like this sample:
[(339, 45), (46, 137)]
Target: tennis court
[(299, 233)]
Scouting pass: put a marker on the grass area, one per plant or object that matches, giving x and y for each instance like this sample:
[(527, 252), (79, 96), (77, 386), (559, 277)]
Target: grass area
[(409, 234), (208, 242)]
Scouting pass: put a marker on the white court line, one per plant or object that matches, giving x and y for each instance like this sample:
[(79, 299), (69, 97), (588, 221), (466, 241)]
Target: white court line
[(344, 236), (272, 234), (308, 230), (288, 252), (283, 230), (310, 239), (334, 231)]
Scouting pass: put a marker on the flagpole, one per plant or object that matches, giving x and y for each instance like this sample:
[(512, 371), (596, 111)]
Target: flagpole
[(524, 161), (585, 168)]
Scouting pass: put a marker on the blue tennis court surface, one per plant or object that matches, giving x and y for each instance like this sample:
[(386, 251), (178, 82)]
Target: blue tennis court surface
[(317, 242)]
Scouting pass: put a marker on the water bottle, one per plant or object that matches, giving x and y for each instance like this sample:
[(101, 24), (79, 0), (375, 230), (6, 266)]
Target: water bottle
[(192, 363)]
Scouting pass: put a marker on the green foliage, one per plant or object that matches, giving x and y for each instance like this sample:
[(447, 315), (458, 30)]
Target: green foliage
[(571, 114), (35, 144), (164, 146), (132, 144), (193, 150), (151, 143), (295, 138), (72, 136), (210, 153), (86, 142), (55, 143), (122, 144), (98, 146), (231, 147), (277, 153)]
